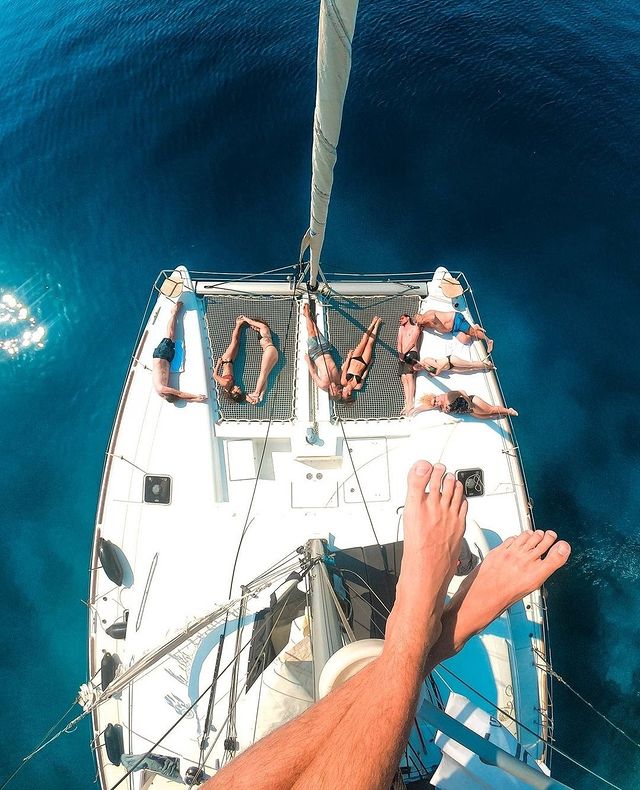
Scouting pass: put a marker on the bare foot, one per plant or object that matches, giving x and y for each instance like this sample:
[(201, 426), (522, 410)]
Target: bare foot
[(255, 397), (489, 343), (200, 398), (508, 573), (433, 528), (512, 412)]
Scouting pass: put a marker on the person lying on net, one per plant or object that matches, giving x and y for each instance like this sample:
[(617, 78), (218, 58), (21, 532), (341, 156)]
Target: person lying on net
[(269, 357), (407, 345), (320, 358), (223, 371), (163, 355), (354, 738), (358, 362)]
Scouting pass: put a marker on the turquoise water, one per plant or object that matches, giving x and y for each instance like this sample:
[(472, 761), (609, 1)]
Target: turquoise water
[(493, 137)]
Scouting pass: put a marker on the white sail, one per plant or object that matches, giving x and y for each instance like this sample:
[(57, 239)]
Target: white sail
[(335, 34)]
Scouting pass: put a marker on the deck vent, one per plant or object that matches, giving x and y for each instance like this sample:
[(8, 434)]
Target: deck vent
[(157, 490), (472, 480)]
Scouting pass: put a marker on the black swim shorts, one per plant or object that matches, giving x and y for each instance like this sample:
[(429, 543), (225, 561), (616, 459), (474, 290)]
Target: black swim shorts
[(405, 365), (166, 349)]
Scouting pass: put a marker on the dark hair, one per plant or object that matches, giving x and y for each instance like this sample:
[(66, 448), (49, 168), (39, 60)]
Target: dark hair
[(238, 397), (350, 399)]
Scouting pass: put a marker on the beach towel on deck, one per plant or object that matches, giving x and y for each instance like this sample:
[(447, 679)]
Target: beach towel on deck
[(177, 363)]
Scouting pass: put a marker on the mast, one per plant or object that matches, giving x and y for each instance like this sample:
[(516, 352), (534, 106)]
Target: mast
[(335, 34), (326, 637)]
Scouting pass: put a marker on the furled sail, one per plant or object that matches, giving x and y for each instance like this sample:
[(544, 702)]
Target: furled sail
[(335, 33)]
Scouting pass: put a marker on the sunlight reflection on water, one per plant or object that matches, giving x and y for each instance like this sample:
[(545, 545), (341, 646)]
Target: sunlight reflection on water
[(19, 330)]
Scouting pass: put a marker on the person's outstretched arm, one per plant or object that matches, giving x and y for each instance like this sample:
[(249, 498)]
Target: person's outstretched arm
[(188, 396)]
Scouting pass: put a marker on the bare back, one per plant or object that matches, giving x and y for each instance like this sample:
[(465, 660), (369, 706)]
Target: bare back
[(436, 320), (160, 373)]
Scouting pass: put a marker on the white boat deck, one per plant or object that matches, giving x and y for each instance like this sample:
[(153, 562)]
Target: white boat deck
[(263, 482)]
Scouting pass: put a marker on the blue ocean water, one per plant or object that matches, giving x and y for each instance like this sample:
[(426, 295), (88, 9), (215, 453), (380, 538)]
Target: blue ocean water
[(499, 138)]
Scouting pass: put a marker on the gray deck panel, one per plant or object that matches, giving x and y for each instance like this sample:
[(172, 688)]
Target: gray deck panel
[(220, 315), (381, 397)]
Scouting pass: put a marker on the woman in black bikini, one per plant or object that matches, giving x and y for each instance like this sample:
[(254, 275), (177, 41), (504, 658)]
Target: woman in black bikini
[(269, 357), (356, 365), (435, 367), (223, 371), (459, 402)]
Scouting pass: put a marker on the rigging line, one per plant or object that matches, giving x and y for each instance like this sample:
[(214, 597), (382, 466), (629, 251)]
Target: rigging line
[(264, 448), (380, 614), (558, 677), (248, 522), (364, 502), (192, 706), (260, 657), (355, 473), (252, 276), (44, 742), (417, 755), (530, 731)]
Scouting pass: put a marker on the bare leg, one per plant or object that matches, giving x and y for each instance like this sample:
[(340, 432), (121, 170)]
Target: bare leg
[(368, 339), (312, 327), (409, 390), (269, 359), (513, 569), (459, 364), (377, 724), (476, 332), (231, 351), (173, 320), (508, 573), (484, 410)]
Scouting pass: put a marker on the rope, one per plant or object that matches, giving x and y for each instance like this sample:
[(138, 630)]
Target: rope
[(46, 741), (557, 677), (245, 529), (192, 706), (530, 731)]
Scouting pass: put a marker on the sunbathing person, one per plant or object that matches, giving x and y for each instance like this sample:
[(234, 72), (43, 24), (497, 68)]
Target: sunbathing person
[(356, 365), (163, 355), (459, 402), (452, 323), (408, 343), (269, 357), (450, 364), (223, 371), (372, 713), (322, 367)]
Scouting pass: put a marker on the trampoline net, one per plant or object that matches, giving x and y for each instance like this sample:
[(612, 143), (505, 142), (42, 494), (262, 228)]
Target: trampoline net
[(282, 318)]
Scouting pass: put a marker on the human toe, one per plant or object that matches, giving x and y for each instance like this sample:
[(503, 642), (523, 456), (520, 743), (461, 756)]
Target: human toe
[(448, 487), (417, 481), (435, 480), (549, 538), (556, 557)]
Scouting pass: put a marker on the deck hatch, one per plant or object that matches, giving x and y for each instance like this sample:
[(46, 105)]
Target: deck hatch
[(472, 480), (157, 489)]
